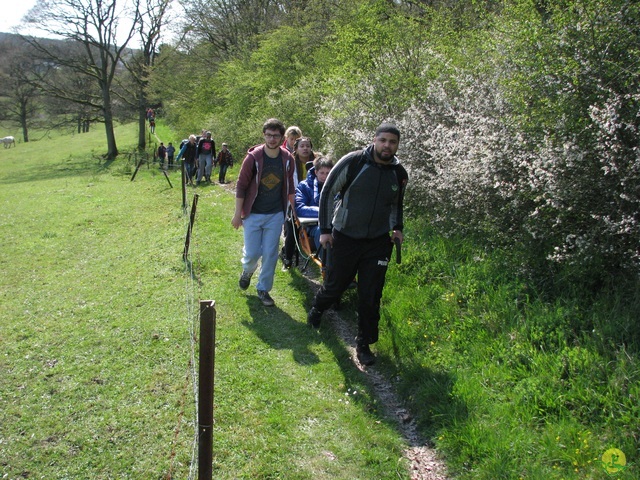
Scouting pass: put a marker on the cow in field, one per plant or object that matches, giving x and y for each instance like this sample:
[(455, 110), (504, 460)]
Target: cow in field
[(8, 141)]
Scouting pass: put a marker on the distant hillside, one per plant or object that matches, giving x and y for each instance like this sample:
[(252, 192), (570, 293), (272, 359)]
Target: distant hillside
[(9, 38), (14, 40)]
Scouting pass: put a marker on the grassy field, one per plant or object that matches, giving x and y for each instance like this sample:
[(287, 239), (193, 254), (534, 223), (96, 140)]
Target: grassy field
[(97, 325), (98, 328)]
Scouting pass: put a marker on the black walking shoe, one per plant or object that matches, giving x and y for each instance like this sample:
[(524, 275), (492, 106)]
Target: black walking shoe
[(245, 280), (313, 317), (265, 298), (365, 357)]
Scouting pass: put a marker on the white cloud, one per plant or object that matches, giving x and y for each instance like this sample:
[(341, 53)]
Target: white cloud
[(12, 13)]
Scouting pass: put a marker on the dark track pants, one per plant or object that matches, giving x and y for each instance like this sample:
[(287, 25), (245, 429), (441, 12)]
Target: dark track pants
[(369, 259)]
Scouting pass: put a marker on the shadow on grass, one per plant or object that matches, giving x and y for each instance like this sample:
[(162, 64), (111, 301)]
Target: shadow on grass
[(424, 393), (188, 265), (71, 167), (418, 402), (280, 331)]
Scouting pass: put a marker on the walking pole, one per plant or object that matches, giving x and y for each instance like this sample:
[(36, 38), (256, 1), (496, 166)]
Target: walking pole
[(398, 250), (327, 259)]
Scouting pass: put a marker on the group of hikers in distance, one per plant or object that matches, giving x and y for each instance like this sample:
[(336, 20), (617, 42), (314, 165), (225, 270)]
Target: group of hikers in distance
[(359, 208), (198, 154), (200, 158)]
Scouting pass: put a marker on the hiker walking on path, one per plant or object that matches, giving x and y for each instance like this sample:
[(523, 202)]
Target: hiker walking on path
[(303, 156), (188, 153), (264, 188), (171, 150), (371, 184), (162, 155), (224, 161), (206, 154), (291, 134)]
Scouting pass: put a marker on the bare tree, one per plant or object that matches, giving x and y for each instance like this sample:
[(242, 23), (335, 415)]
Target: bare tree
[(85, 108), (94, 26), (153, 16), (19, 95)]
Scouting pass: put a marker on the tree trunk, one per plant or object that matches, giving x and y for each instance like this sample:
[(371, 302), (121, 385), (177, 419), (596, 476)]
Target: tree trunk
[(112, 149), (142, 122), (23, 122)]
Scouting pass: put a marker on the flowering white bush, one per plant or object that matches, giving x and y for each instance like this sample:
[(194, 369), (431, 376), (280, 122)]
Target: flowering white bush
[(533, 143), (474, 170), (593, 190)]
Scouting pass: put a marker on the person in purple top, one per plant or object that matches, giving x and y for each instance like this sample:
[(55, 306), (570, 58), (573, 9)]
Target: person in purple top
[(264, 188)]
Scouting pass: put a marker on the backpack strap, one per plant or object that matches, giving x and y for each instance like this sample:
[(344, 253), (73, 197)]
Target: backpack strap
[(353, 170)]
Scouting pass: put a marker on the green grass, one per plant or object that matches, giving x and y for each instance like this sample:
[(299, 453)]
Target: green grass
[(509, 385), (98, 325), (97, 312)]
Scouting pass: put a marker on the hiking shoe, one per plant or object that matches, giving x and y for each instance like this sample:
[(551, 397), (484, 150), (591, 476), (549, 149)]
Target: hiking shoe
[(245, 280), (313, 317), (265, 298), (365, 357)]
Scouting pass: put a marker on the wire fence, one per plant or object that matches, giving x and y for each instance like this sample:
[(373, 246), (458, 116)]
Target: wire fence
[(192, 294)]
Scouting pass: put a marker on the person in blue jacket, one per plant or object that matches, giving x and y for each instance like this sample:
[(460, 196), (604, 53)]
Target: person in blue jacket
[(308, 195), (188, 152)]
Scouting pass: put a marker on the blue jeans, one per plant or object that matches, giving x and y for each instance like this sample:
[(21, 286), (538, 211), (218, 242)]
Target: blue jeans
[(191, 170), (204, 166), (262, 239)]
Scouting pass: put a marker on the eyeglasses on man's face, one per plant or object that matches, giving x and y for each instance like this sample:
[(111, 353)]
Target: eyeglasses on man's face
[(272, 135)]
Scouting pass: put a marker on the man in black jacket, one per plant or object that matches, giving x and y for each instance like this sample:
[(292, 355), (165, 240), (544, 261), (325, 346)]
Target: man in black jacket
[(371, 185)]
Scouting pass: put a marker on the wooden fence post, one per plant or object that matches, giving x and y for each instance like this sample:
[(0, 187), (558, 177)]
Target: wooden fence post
[(206, 382), (184, 185)]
